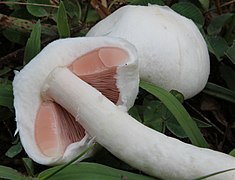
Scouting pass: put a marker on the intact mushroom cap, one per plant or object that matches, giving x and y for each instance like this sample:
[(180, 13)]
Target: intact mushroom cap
[(28, 83), (172, 52)]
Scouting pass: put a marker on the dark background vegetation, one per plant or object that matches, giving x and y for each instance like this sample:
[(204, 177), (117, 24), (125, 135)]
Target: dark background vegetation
[(213, 108)]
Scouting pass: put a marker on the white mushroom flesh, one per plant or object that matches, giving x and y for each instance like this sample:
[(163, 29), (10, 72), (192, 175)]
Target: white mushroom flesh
[(172, 52), (143, 148), (50, 135)]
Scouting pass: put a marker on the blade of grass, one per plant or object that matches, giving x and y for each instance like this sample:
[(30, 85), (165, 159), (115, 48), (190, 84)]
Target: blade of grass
[(33, 45), (9, 173), (62, 22), (47, 176), (214, 174), (90, 171), (220, 92), (178, 111)]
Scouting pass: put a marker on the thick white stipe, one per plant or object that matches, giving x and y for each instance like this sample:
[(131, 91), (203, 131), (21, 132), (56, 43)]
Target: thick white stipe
[(141, 147)]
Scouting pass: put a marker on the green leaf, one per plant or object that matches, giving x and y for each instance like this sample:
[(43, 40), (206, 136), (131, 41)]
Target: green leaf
[(73, 9), (220, 92), (35, 9), (205, 4), (9, 173), (214, 174), (145, 2), (231, 53), (90, 171), (217, 45), (154, 115), (175, 127), (33, 45), (178, 95), (232, 153), (217, 23), (228, 74), (61, 168), (28, 163), (15, 36), (92, 16), (62, 22), (179, 112), (229, 34), (6, 95), (201, 124), (134, 113), (14, 150), (190, 11), (152, 110)]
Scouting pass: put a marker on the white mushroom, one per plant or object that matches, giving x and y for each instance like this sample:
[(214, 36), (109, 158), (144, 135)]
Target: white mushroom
[(49, 134), (172, 52), (139, 146)]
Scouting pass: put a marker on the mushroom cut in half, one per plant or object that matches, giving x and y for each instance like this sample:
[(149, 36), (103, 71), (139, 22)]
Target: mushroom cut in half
[(172, 52), (50, 134)]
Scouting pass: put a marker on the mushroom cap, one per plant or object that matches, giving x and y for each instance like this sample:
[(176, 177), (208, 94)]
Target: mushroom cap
[(28, 83), (172, 52)]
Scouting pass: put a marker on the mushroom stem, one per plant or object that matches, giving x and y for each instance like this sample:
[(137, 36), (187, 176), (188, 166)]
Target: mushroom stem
[(141, 147)]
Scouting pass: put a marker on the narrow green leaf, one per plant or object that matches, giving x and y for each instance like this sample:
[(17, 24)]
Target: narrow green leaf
[(14, 150), (217, 23), (61, 168), (33, 45), (90, 171), (201, 124), (6, 95), (220, 92), (190, 11), (28, 163), (214, 174), (62, 22), (178, 111), (9, 173), (231, 53)]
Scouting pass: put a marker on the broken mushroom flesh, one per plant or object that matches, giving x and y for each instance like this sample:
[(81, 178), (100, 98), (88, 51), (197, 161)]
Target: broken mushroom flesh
[(49, 133), (172, 52), (136, 144)]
